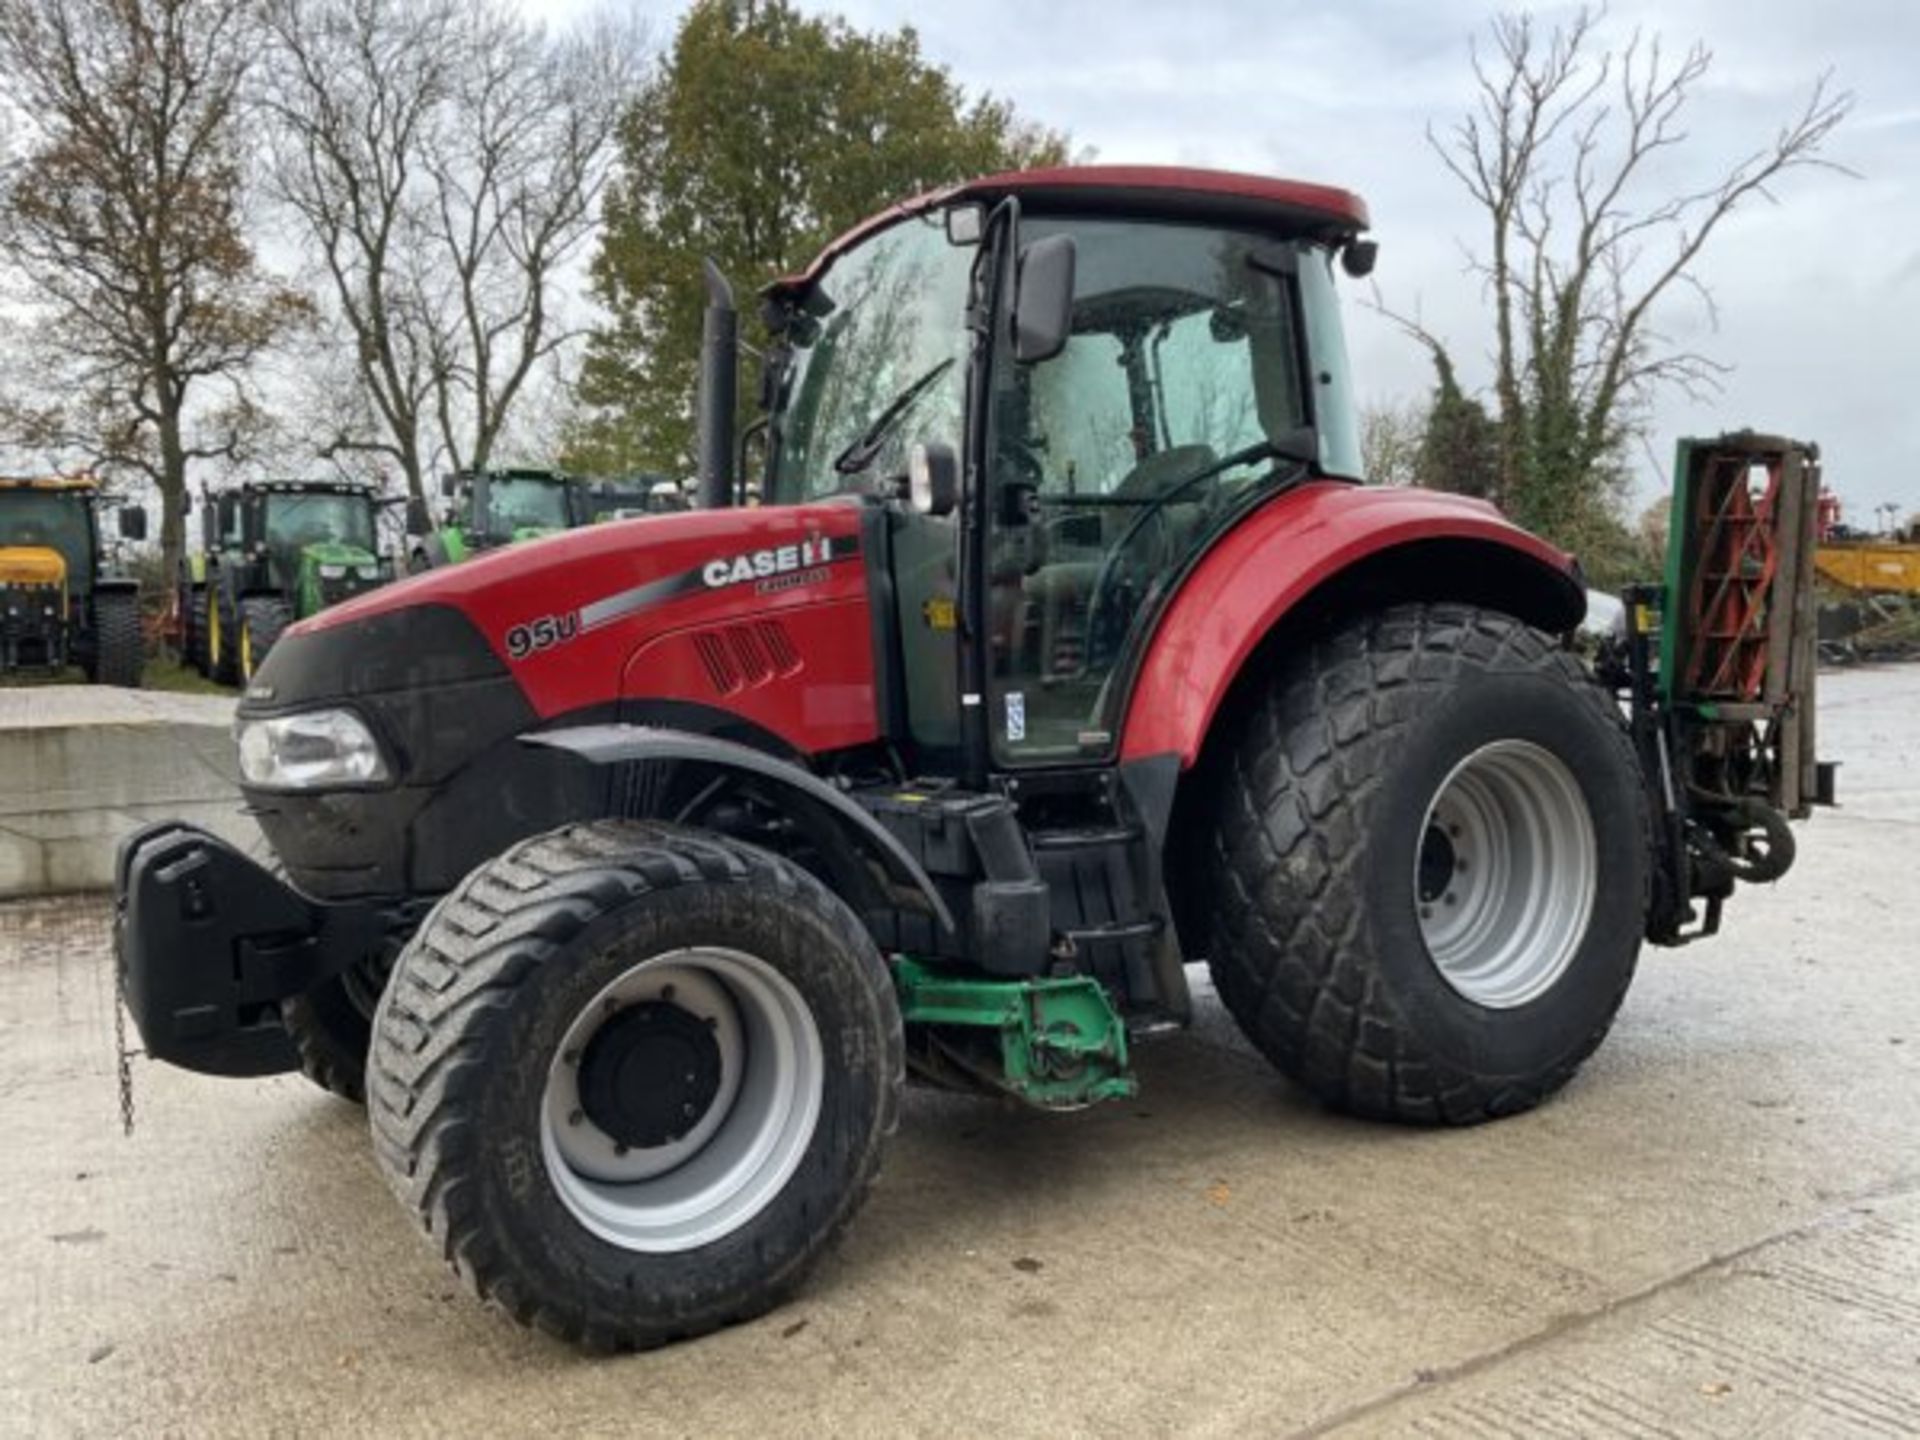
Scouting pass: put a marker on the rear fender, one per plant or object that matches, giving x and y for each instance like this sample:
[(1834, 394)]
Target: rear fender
[(825, 812), (1330, 547)]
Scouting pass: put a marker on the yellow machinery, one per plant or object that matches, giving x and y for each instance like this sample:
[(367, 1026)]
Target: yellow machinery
[(61, 602)]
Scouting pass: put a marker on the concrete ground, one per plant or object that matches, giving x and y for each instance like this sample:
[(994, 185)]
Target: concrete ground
[(1714, 1231)]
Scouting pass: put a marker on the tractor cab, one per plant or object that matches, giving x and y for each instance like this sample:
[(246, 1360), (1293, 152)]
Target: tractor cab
[(1160, 376), (315, 543), (489, 508)]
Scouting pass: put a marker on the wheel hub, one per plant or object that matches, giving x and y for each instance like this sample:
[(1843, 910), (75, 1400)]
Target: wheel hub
[(1507, 872), (649, 1074), (681, 1098)]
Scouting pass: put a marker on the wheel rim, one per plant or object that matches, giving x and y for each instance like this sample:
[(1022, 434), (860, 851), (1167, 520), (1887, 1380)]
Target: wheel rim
[(656, 1155), (213, 630), (246, 651), (1505, 878)]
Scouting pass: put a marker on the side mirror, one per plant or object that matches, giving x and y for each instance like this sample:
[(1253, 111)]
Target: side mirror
[(1357, 257), (419, 518), (133, 522), (966, 223), (933, 479), (1043, 299)]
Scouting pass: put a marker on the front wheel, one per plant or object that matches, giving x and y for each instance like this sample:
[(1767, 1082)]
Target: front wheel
[(1429, 867), (119, 647), (261, 621), (633, 1079)]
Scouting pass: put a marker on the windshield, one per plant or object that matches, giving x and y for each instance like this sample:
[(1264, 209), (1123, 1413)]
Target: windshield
[(883, 370), (296, 521), (52, 520), (526, 502)]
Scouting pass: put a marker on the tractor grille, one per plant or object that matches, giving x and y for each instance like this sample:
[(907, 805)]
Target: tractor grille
[(736, 657)]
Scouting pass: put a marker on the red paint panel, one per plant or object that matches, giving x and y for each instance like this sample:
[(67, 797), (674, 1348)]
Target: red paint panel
[(821, 698), (1261, 570), (560, 578)]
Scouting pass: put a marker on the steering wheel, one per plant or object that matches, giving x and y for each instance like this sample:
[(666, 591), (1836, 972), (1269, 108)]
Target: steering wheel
[(1152, 509)]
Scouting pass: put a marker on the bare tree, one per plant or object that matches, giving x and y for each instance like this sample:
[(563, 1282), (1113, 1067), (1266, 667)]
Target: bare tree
[(1563, 151), (124, 218), (444, 159), (1391, 434)]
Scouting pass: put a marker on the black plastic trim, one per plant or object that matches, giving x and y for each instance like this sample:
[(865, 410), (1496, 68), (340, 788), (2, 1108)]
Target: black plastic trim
[(613, 744)]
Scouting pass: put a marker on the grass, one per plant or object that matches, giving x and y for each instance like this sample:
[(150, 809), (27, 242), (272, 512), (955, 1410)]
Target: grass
[(163, 672)]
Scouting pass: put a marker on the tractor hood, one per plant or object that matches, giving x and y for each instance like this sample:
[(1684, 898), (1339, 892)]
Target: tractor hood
[(750, 625), (32, 565), (332, 552), (695, 609)]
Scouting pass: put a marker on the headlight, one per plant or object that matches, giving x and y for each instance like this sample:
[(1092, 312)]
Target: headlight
[(333, 572), (369, 572), (310, 751)]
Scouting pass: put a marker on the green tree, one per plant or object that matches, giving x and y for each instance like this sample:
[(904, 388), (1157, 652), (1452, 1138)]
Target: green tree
[(764, 133), (1459, 450)]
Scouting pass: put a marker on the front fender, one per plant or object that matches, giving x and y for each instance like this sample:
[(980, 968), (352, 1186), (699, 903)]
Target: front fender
[(1403, 544), (611, 744)]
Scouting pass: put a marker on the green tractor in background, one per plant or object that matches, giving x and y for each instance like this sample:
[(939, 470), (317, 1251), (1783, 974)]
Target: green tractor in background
[(64, 599), (273, 552), (490, 508)]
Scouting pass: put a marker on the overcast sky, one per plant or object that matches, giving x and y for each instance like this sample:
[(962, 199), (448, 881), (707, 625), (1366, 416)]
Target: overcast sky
[(1819, 297)]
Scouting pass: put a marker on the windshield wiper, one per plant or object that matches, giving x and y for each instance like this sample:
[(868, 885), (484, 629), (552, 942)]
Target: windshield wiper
[(860, 454)]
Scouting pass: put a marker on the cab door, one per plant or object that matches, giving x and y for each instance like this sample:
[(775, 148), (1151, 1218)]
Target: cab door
[(877, 365)]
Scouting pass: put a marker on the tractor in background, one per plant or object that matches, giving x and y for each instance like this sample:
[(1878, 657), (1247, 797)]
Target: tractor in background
[(64, 600), (272, 552), (486, 509)]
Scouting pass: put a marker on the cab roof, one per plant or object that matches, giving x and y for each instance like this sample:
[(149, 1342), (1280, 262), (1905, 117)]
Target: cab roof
[(1320, 212), (86, 484)]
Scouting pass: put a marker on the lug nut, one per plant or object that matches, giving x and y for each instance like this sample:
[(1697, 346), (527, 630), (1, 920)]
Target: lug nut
[(1450, 898), (687, 1110), (572, 1057), (574, 1117), (618, 1148), (666, 992), (1426, 912)]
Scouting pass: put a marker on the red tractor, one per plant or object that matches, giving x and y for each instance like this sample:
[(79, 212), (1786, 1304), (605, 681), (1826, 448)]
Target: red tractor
[(628, 874)]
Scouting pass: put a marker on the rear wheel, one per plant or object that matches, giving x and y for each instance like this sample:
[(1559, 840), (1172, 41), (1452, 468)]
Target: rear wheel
[(119, 649), (633, 1079), (261, 621), (1428, 870)]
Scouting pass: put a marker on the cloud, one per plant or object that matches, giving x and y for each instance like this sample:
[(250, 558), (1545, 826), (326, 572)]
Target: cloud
[(1817, 310)]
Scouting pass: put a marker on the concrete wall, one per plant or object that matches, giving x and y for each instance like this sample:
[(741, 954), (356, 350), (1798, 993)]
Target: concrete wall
[(80, 766)]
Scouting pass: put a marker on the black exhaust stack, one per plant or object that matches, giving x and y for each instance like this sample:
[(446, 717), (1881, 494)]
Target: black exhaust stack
[(719, 379)]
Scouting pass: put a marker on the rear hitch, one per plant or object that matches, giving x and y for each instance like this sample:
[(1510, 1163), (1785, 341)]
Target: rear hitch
[(1718, 668)]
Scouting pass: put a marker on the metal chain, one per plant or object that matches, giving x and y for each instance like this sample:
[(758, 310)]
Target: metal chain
[(123, 1057)]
